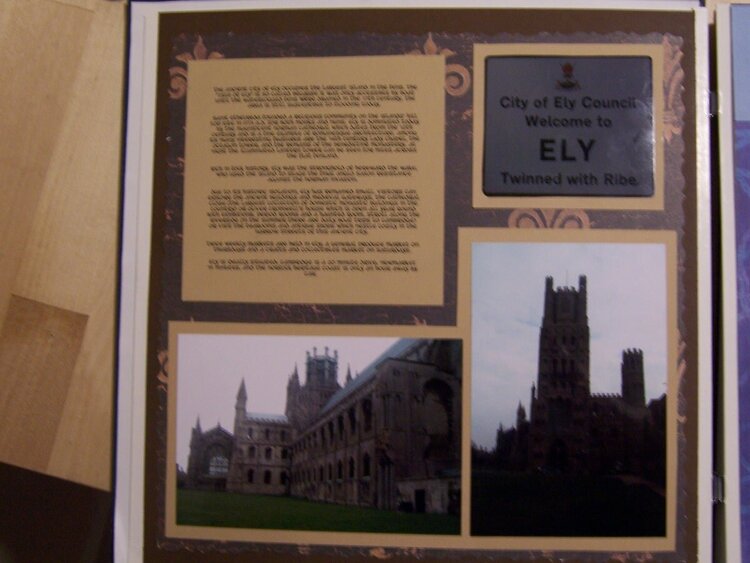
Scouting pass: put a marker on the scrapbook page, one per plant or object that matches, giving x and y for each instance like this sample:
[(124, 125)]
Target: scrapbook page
[(414, 283)]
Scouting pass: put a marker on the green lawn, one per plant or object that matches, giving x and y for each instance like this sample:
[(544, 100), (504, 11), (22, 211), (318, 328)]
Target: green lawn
[(233, 510), (524, 504)]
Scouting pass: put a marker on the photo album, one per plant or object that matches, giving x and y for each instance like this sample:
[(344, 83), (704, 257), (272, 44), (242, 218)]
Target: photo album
[(419, 282)]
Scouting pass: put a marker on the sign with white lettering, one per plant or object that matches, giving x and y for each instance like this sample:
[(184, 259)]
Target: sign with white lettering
[(577, 126)]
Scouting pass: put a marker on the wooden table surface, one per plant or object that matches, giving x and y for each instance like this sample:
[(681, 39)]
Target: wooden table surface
[(61, 96)]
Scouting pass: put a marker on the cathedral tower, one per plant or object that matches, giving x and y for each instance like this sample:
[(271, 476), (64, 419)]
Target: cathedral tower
[(559, 410), (564, 342), (303, 402), (633, 391)]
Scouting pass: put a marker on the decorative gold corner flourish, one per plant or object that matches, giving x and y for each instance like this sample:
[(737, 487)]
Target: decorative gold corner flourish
[(674, 109), (549, 219), (457, 77), (178, 74), (162, 375)]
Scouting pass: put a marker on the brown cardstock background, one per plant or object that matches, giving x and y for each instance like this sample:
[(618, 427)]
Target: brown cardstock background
[(428, 31)]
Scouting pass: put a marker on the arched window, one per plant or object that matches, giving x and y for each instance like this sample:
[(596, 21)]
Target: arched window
[(267, 477), (366, 465), (438, 410), (351, 468), (339, 470), (218, 465), (250, 475), (367, 414)]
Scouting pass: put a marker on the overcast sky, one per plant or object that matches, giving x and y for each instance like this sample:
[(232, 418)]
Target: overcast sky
[(626, 309), (211, 368)]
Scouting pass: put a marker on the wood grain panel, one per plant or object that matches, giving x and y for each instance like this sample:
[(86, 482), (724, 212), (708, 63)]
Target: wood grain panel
[(39, 346), (41, 44), (59, 209), (88, 221), (85, 4)]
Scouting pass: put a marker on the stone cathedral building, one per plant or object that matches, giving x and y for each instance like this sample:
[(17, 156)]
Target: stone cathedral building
[(571, 429), (388, 438)]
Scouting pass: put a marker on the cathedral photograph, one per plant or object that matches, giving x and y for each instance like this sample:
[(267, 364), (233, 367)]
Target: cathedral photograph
[(569, 389), (319, 433)]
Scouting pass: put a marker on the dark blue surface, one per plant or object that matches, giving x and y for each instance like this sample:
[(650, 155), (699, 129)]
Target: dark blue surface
[(741, 96), (742, 239)]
